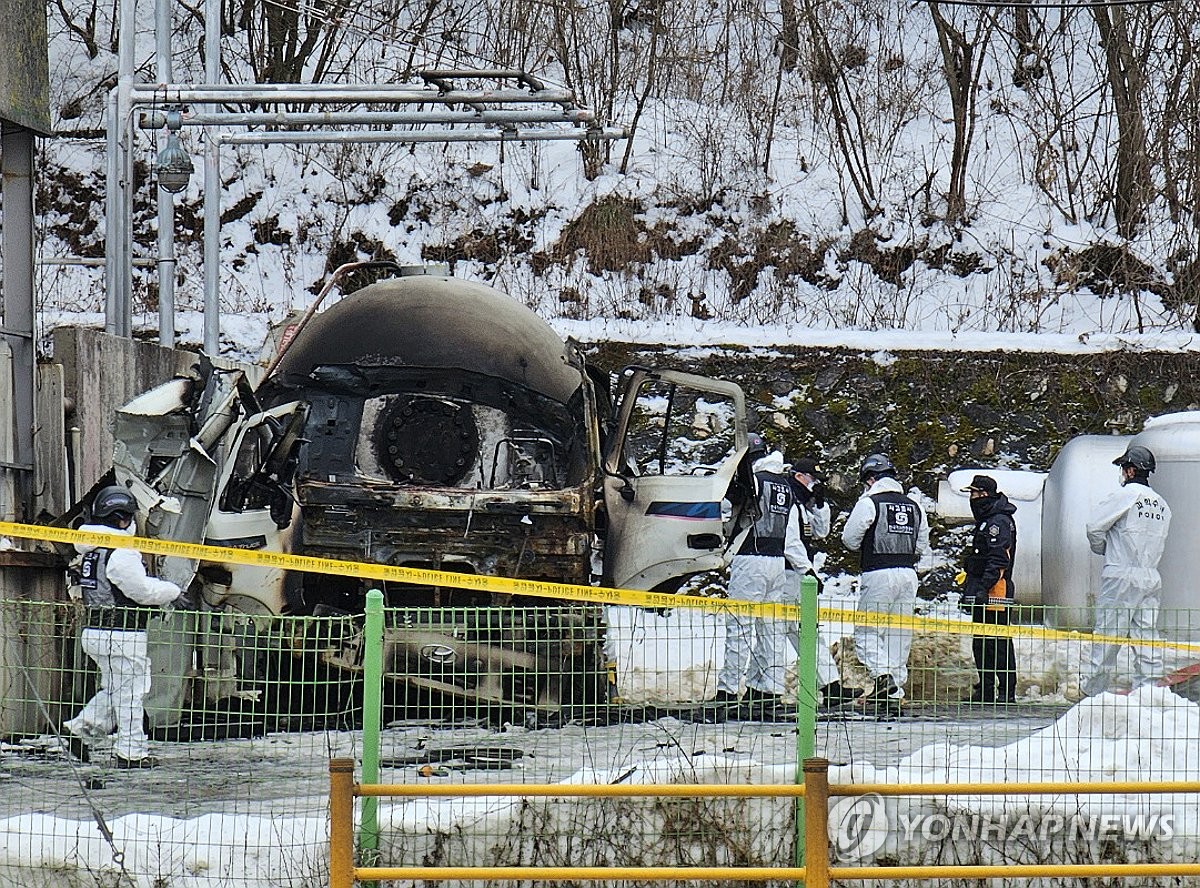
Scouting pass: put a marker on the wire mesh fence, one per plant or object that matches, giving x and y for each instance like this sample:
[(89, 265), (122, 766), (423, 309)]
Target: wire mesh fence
[(245, 711)]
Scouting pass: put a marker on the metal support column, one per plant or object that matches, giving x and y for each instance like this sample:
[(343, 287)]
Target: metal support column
[(112, 215), (120, 168), (166, 200), (212, 187)]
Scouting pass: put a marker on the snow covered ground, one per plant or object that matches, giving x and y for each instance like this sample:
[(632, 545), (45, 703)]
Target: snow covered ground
[(253, 812), (279, 838)]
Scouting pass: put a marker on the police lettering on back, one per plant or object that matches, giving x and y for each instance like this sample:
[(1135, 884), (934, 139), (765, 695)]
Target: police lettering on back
[(779, 499), (87, 573), (899, 526), (1151, 508)]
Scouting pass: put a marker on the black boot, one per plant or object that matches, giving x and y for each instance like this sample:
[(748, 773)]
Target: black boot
[(885, 688), (836, 694), (880, 702), (981, 696), (77, 748)]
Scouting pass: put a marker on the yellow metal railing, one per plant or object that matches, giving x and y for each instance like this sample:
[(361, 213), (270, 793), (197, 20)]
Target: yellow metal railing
[(817, 873)]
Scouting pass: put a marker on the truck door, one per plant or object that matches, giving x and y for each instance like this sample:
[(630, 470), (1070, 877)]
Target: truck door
[(673, 486)]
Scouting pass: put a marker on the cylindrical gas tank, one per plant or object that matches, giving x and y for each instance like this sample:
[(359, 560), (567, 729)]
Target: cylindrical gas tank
[(1081, 476), (1174, 439)]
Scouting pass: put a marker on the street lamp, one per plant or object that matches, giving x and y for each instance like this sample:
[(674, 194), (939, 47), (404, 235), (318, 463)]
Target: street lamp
[(174, 164)]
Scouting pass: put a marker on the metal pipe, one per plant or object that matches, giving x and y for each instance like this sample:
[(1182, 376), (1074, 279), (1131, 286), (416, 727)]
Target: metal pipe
[(166, 200), (275, 93), (89, 261), (732, 874), (112, 215), (585, 790), (1016, 871), (813, 851), (156, 120), (341, 823), (806, 700), (127, 31), (212, 187), (333, 137), (368, 831), (334, 279), (781, 790), (1045, 787), (212, 245)]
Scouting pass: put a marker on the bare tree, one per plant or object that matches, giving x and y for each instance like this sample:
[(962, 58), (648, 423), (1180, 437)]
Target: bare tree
[(849, 125), (789, 37), (962, 60), (1133, 185)]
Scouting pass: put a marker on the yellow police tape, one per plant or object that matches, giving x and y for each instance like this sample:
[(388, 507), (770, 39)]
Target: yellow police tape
[(542, 588)]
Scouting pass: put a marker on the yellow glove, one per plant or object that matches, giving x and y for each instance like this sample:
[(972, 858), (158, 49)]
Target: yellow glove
[(960, 578)]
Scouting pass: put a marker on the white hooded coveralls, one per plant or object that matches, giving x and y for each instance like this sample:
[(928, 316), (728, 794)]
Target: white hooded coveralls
[(1129, 528), (754, 647), (818, 521), (120, 655), (890, 590)]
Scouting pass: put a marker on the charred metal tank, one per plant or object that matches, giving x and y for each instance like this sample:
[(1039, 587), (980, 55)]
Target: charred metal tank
[(429, 422), (448, 427)]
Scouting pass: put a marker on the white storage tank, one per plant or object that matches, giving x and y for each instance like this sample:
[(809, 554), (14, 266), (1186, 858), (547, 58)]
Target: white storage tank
[(1082, 474), (1174, 439)]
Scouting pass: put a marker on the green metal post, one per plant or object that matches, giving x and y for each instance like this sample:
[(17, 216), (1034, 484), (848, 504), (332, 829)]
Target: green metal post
[(806, 698), (368, 833)]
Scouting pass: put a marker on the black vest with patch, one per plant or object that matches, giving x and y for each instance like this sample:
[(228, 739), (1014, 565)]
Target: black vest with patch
[(107, 606), (775, 502), (891, 541)]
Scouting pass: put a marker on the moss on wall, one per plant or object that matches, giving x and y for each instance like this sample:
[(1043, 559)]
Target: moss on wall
[(934, 412)]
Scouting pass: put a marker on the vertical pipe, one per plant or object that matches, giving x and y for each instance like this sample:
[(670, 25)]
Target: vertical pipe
[(341, 823), (166, 200), (112, 214), (816, 824), (212, 186), (212, 244), (125, 69), (806, 694), (368, 834)]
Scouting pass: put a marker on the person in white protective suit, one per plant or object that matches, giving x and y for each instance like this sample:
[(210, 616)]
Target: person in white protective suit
[(808, 486), (891, 533), (1129, 528), (756, 650), (117, 595)]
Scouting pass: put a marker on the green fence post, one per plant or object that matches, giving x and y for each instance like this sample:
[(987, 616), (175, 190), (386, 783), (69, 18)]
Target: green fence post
[(806, 698), (368, 833)]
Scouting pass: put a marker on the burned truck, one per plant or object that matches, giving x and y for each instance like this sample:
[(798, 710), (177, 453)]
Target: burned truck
[(430, 422)]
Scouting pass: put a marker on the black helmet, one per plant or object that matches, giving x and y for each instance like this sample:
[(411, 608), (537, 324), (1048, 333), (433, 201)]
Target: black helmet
[(757, 445), (112, 502), (1137, 456), (876, 464)]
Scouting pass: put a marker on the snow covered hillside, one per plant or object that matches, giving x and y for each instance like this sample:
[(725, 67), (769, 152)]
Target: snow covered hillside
[(811, 164)]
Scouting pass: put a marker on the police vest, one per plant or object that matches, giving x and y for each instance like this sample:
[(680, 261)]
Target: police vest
[(891, 540), (775, 502), (107, 606)]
